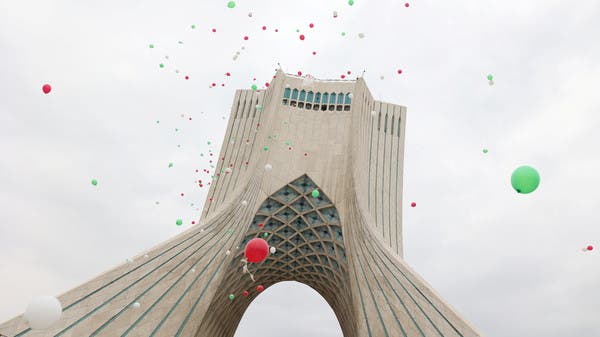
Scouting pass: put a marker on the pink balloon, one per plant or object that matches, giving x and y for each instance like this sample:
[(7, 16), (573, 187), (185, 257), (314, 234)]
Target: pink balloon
[(46, 88), (413, 204)]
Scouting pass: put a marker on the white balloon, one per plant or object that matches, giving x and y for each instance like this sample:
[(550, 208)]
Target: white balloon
[(193, 270), (491, 82), (381, 77), (268, 167), (273, 250), (351, 96), (373, 113), (244, 203), (228, 252), (135, 305), (361, 35), (250, 14), (129, 260), (228, 170), (43, 312), (146, 256)]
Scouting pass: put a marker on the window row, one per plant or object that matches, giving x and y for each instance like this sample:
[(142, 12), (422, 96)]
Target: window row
[(317, 101)]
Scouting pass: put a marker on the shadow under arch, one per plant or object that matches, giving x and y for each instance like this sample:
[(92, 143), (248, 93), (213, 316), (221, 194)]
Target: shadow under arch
[(289, 306), (305, 228)]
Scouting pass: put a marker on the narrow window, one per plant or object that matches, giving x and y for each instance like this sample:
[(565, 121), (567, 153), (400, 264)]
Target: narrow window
[(385, 123), (310, 96), (302, 96), (332, 98), (295, 94), (318, 98), (392, 128), (340, 98), (399, 126), (348, 99), (286, 93), (379, 121), (325, 98)]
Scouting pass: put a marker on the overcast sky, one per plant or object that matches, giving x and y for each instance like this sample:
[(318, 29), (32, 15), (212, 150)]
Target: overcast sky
[(511, 264)]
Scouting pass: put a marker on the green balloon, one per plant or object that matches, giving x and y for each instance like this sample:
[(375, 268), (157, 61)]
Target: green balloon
[(343, 33), (485, 150), (525, 179), (170, 165), (254, 87), (350, 2), (266, 148), (193, 26), (490, 77), (231, 296), (179, 222), (161, 65), (315, 193), (265, 235), (94, 182), (231, 4), (151, 46)]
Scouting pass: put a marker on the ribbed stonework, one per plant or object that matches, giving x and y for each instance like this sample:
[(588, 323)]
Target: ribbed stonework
[(281, 144)]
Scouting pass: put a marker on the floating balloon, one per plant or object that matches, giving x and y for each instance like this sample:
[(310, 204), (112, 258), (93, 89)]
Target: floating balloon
[(135, 305), (273, 250), (244, 203), (94, 182), (151, 46), (399, 71), (351, 2), (373, 113), (179, 222), (228, 252), (268, 167), (193, 270), (231, 4), (46, 88), (260, 288), (231, 296), (361, 35), (250, 14), (254, 87), (245, 293), (256, 250), (589, 248), (161, 65), (315, 193), (43, 312), (265, 235), (413, 204), (525, 179), (491, 83), (406, 5), (490, 77), (170, 165), (302, 37), (485, 150), (261, 225)]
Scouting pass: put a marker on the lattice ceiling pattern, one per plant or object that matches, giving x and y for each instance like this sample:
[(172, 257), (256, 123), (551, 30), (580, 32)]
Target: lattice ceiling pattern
[(307, 233)]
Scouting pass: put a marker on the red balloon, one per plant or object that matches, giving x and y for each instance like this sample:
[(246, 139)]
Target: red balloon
[(399, 71), (301, 37), (312, 25), (261, 225), (245, 38), (406, 4), (413, 204), (257, 250), (245, 293), (214, 30), (590, 247), (46, 88), (264, 27), (260, 288)]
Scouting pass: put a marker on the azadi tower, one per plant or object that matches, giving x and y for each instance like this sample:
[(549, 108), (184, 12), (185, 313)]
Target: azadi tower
[(281, 144)]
